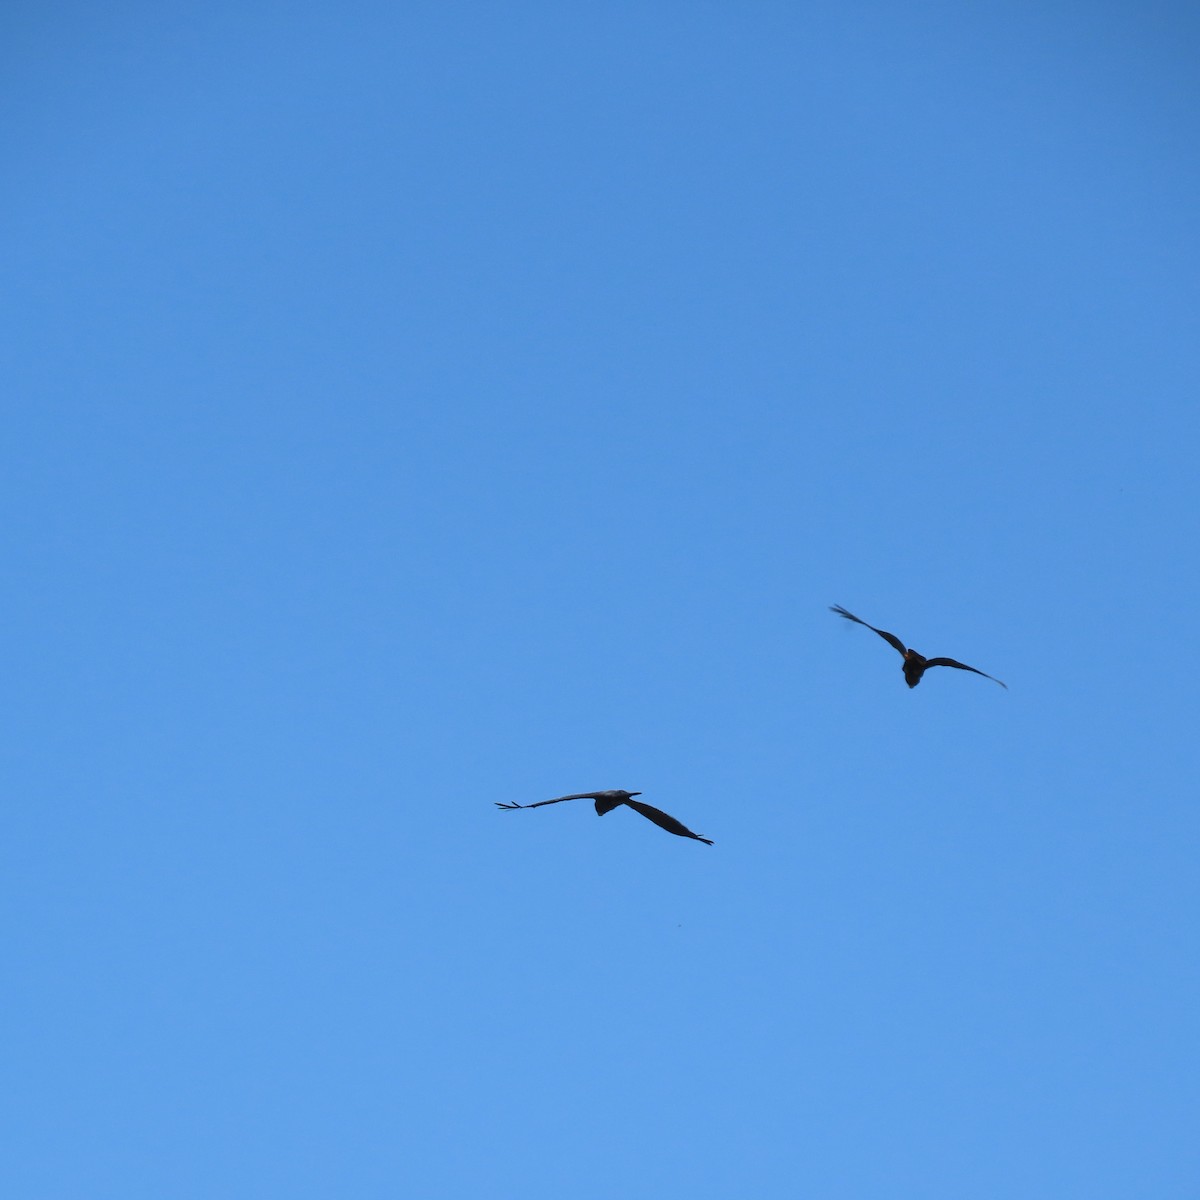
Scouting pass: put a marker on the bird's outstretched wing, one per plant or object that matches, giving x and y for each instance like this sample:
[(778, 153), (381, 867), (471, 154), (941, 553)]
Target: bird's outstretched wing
[(556, 800), (890, 638), (950, 662), (663, 821)]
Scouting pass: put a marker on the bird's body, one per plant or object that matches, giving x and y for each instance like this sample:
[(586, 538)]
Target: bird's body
[(915, 665), (606, 801)]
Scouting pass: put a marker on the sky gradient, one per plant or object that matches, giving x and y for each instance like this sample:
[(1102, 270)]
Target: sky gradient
[(414, 407)]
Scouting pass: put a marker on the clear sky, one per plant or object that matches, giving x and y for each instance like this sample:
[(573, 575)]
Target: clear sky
[(415, 406)]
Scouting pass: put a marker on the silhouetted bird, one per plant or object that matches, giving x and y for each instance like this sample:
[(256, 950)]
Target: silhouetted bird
[(607, 801), (914, 664)]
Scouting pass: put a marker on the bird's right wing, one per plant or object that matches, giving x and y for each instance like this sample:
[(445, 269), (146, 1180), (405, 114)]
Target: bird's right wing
[(663, 821), (890, 638), (556, 800)]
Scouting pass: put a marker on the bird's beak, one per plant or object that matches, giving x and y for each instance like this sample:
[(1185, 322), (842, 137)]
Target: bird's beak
[(635, 793)]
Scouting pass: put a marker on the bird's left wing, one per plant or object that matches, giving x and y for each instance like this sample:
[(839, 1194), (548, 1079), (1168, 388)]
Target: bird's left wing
[(664, 821), (951, 662)]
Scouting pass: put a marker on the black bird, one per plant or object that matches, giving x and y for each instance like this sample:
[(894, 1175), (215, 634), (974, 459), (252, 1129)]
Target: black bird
[(607, 801), (915, 665)]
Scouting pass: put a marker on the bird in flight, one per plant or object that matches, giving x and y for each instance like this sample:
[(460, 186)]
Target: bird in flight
[(915, 665), (607, 801)]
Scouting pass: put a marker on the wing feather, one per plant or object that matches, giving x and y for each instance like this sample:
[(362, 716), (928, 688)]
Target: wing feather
[(556, 800), (953, 662), (663, 821), (890, 638)]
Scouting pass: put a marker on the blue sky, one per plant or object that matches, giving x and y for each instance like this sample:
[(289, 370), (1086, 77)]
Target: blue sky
[(412, 407)]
